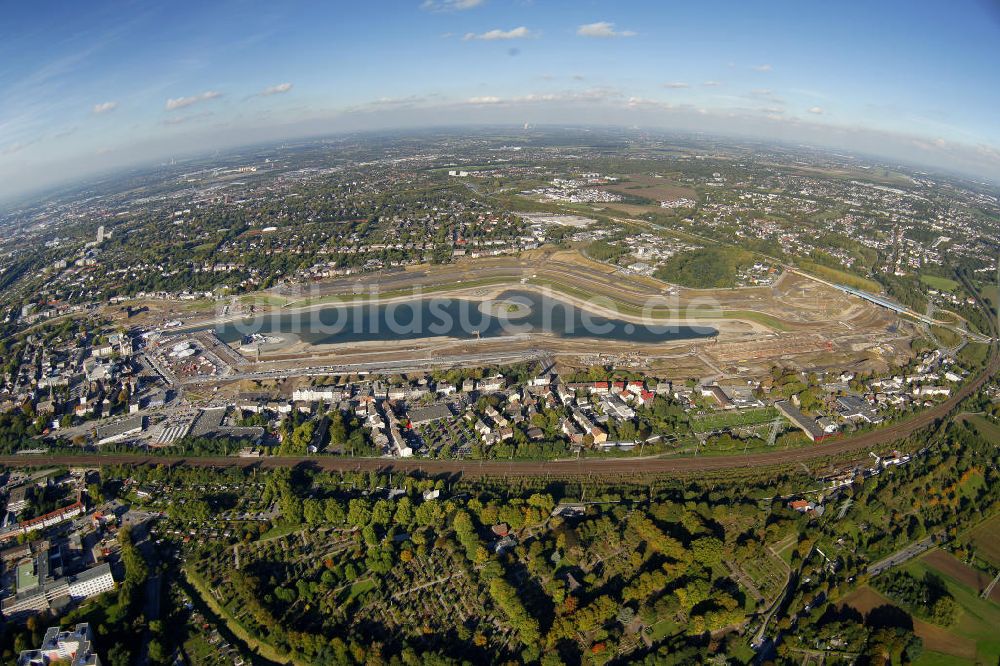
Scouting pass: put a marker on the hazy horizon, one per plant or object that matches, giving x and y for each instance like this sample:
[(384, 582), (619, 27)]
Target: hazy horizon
[(100, 87)]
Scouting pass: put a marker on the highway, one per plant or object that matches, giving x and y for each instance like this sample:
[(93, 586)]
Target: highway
[(901, 556)]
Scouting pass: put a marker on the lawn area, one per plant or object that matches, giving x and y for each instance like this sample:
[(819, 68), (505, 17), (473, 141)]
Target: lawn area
[(662, 629), (279, 531), (990, 291), (974, 354), (360, 587), (689, 313), (939, 283), (946, 316), (262, 298)]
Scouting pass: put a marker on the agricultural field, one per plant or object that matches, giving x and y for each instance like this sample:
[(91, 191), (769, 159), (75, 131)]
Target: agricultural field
[(978, 618), (972, 637), (652, 188), (948, 565), (940, 644)]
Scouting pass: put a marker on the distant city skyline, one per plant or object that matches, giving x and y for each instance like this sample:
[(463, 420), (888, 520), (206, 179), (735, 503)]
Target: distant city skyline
[(94, 86)]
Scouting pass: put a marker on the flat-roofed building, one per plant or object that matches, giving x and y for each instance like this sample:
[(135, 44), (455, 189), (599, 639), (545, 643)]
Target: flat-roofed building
[(800, 420), (38, 592), (17, 499), (116, 432), (430, 413)]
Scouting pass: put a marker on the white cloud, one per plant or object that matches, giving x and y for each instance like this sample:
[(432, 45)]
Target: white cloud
[(818, 110), (711, 84), (763, 68), (602, 29), (275, 90), (590, 95), (676, 85), (449, 5), (181, 102), (520, 32), (104, 107)]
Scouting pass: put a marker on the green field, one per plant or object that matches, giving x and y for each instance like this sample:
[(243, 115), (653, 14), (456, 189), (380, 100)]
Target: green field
[(939, 283), (987, 428), (730, 419), (360, 587), (985, 538), (946, 336), (689, 313), (974, 354)]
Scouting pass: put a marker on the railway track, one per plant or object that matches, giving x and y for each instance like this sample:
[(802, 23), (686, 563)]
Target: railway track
[(860, 444), (562, 468)]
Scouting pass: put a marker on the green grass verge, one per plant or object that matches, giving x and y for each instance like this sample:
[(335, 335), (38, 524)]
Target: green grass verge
[(621, 306), (840, 277), (232, 624)]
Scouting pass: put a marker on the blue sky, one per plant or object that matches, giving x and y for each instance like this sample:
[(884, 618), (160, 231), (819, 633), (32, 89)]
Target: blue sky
[(92, 85)]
